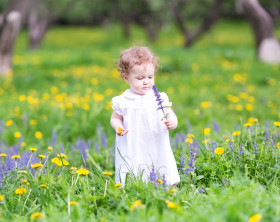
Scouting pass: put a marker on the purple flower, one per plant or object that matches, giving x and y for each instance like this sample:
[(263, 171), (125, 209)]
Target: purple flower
[(216, 126), (153, 176), (213, 146), (255, 145), (225, 181), (202, 189), (241, 150), (104, 139), (191, 160), (164, 183), (230, 144), (159, 100), (182, 163)]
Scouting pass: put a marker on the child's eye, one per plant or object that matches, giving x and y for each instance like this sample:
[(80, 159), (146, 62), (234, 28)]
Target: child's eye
[(140, 78), (150, 77)]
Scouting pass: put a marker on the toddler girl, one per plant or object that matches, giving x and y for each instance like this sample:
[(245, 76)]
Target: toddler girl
[(142, 140)]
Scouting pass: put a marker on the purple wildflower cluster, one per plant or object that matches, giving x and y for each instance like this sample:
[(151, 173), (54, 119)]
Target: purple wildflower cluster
[(154, 179), (183, 169), (213, 146), (230, 145), (202, 189)]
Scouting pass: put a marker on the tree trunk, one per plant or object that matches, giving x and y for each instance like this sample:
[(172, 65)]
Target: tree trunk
[(268, 48), (38, 23), (10, 22), (210, 18), (9, 32)]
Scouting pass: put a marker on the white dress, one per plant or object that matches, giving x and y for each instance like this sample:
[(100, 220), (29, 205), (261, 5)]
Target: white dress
[(146, 146)]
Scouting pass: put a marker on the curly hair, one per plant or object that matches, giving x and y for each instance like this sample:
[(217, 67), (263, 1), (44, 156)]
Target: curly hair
[(136, 56)]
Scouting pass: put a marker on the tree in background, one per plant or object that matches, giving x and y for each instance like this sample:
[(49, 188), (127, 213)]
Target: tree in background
[(267, 45), (10, 23), (43, 14)]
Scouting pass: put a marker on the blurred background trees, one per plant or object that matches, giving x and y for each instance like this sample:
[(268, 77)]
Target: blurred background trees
[(192, 18)]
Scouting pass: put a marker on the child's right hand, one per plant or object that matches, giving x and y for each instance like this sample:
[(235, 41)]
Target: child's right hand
[(121, 132)]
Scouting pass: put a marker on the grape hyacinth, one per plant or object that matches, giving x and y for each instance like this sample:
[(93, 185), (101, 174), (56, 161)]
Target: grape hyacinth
[(159, 101)]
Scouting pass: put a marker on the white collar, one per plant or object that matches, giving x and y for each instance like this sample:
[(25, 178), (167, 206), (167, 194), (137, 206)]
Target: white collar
[(127, 93)]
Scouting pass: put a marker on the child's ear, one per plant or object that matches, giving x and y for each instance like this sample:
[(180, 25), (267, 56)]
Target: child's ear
[(124, 76)]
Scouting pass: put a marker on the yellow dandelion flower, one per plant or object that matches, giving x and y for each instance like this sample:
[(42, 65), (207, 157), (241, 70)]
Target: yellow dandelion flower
[(219, 150), (170, 204), (97, 97), (236, 133), (277, 123), (255, 218), (190, 135), (73, 168), (15, 157), (50, 148), (206, 131), (159, 181), (249, 107), (33, 149), (24, 181), (20, 191), (120, 129), (22, 171), (107, 173), (65, 162), (17, 134), (38, 135), (3, 154), (73, 203), (36, 165), (137, 204), (56, 161), (9, 123), (248, 124), (173, 191), (205, 104), (37, 215), (33, 122), (1, 198), (205, 141), (43, 186), (189, 140), (252, 120), (228, 140), (278, 145), (41, 156), (23, 144), (82, 171), (61, 155), (118, 185)]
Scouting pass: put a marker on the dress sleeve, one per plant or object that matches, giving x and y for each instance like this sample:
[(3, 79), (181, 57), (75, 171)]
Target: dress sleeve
[(116, 105), (165, 100)]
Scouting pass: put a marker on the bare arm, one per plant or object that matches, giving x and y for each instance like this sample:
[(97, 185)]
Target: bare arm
[(171, 121), (117, 122)]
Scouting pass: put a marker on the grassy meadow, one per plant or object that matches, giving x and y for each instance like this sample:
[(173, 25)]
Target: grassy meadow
[(57, 145)]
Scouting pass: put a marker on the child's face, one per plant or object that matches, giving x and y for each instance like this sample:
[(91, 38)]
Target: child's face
[(141, 78)]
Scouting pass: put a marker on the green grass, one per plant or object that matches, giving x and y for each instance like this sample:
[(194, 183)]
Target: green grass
[(66, 87)]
